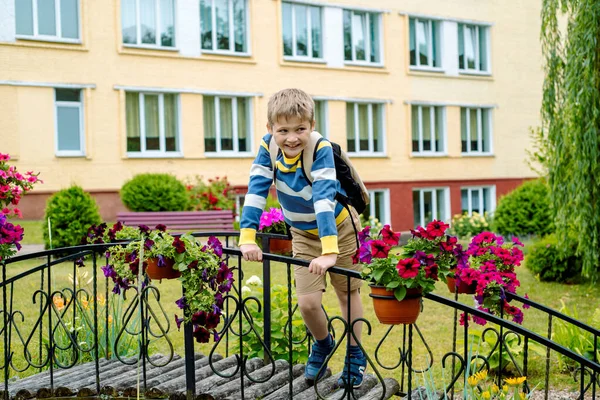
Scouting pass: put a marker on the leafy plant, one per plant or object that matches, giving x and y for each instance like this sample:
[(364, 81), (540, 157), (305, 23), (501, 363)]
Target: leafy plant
[(71, 211), (154, 192), (216, 195), (465, 225), (272, 221), (550, 263), (373, 222)]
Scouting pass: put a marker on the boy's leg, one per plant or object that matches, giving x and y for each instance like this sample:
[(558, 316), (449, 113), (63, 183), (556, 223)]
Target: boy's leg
[(313, 315), (356, 311)]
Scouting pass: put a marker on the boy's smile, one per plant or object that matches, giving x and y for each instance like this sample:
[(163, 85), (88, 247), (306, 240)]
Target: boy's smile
[(291, 134)]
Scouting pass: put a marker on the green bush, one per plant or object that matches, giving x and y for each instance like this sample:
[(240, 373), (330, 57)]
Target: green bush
[(524, 211), (217, 194), (71, 212), (465, 225), (154, 192), (545, 260)]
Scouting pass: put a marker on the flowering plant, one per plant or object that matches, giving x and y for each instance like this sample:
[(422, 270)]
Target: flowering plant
[(272, 221), (465, 225), (216, 195), (13, 185), (491, 265)]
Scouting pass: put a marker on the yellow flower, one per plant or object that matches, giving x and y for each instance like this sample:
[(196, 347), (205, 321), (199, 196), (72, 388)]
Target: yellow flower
[(486, 395), (505, 389), (101, 300), (84, 303), (522, 395), (481, 375), (110, 319), (473, 380), (59, 303), (515, 381), (495, 389)]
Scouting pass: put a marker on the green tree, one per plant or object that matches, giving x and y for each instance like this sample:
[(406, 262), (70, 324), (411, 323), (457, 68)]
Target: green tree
[(571, 123)]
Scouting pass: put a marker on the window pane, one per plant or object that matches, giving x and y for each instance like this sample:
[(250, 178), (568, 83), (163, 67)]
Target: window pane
[(464, 200), (473, 129), (128, 20), (475, 198), (210, 126), (485, 136), (461, 46), (170, 122), (226, 119), (320, 117), (68, 95), (435, 62), (315, 20), (463, 129), (286, 10), (441, 205), (69, 19), (301, 30), (222, 11), (379, 207), (374, 36), (239, 25), (347, 35), (242, 124), (377, 127), (358, 35), (417, 207), (412, 41), (148, 21), (69, 137), (487, 200), (132, 111), (206, 21), (423, 38), (426, 112), (470, 46), (151, 120), (363, 127), (483, 64), (415, 128), (46, 17), (428, 206), (24, 17), (167, 20), (350, 127), (440, 144)]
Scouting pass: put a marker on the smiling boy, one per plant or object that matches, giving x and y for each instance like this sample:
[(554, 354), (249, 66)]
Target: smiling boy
[(321, 228)]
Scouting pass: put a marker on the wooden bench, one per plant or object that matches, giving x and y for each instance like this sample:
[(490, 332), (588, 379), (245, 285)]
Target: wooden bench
[(182, 221)]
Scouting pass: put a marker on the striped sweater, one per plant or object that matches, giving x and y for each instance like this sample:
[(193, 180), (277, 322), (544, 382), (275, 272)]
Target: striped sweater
[(312, 209)]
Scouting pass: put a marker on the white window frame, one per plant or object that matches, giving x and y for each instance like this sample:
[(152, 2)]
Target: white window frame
[(70, 104), (294, 56), (371, 152), (434, 125), (385, 218), (433, 190), (161, 153), (430, 41), (480, 189), (158, 26), (480, 111), (476, 70), (232, 153), (231, 51), (367, 29), (58, 24)]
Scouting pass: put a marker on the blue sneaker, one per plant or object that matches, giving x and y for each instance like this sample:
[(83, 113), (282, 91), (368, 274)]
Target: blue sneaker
[(357, 365), (317, 358)]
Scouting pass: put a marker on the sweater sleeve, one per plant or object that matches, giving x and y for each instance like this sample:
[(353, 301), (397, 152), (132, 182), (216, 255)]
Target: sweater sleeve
[(261, 178), (324, 191)]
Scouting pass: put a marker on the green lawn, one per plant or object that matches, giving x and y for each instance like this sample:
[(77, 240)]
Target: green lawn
[(435, 323), (32, 231)]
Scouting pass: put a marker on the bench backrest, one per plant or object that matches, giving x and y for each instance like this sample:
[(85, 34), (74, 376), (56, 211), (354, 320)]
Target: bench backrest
[(181, 221)]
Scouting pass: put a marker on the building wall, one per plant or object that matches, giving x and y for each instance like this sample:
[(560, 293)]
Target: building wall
[(103, 67)]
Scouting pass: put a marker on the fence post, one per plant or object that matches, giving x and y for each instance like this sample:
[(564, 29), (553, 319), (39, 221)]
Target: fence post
[(190, 367), (267, 298)]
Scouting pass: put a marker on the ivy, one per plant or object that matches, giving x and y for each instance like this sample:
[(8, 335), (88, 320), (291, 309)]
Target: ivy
[(571, 123)]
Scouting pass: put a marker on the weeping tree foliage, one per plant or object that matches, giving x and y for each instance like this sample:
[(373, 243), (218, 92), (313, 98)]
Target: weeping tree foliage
[(571, 123)]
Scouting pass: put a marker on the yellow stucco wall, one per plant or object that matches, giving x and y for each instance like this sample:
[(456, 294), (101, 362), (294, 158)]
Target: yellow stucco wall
[(27, 122)]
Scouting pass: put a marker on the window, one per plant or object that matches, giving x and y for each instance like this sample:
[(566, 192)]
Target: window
[(321, 117), (475, 132), (152, 123), (227, 124), (424, 43), (473, 48), (478, 199), (224, 26), (48, 19), (239, 204), (362, 37), (430, 204), (364, 124), (302, 31), (69, 123), (428, 130), (379, 206), (148, 22)]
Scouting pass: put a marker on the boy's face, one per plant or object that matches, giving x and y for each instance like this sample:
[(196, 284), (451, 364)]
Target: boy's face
[(291, 134)]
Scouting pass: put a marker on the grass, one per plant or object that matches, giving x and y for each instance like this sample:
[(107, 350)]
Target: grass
[(32, 231), (435, 323)]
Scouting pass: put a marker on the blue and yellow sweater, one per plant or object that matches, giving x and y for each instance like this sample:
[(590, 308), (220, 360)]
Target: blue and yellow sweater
[(312, 209)]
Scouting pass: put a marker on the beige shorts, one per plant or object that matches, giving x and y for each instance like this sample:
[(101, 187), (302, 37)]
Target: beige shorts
[(308, 247)]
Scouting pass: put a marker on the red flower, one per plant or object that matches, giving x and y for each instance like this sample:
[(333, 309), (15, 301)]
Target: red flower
[(179, 245), (437, 228), (212, 320), (408, 268), (201, 335), (431, 271), (379, 249), (390, 237)]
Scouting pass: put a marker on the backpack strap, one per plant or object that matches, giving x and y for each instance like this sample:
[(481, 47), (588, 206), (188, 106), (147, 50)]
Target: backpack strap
[(273, 152), (309, 154)]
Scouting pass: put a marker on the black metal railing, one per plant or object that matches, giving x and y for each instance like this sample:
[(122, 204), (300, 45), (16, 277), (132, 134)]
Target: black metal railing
[(51, 329)]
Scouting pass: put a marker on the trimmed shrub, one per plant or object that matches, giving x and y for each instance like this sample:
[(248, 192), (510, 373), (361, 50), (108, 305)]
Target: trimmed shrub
[(466, 226), (546, 261), (154, 192), (524, 211), (71, 212)]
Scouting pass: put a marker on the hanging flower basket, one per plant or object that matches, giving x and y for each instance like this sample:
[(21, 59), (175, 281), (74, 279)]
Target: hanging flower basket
[(157, 272), (463, 287), (281, 246), (390, 311)]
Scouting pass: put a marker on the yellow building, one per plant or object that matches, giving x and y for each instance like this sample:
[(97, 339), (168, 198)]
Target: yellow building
[(433, 100)]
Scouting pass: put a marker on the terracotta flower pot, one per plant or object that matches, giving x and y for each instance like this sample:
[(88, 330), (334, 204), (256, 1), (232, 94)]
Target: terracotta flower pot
[(393, 312), (463, 287), (157, 273), (278, 246)]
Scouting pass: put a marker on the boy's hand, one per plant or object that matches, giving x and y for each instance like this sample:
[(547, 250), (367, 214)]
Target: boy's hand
[(320, 265), (251, 252)]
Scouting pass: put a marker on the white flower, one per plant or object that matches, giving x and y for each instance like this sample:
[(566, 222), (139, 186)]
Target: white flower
[(254, 281), (246, 290)]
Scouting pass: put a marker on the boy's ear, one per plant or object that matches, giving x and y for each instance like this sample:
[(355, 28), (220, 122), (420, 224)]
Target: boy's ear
[(312, 126), (269, 128)]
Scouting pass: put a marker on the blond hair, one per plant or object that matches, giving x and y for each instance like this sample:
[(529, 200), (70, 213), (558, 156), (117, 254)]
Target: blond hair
[(288, 103)]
